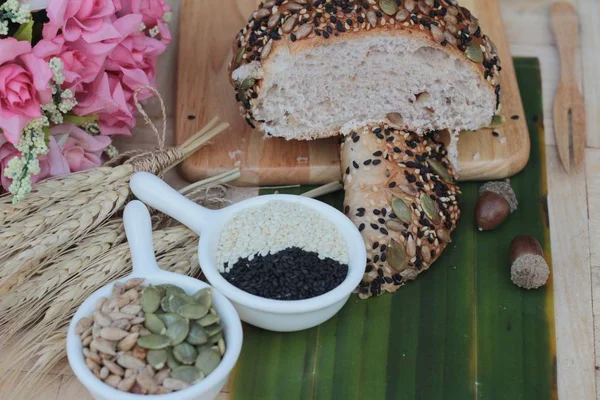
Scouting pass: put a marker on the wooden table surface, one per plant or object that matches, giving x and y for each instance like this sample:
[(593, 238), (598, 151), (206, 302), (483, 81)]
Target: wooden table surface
[(574, 201)]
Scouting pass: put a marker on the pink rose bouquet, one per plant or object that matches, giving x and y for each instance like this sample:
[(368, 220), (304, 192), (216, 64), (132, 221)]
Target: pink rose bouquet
[(68, 71)]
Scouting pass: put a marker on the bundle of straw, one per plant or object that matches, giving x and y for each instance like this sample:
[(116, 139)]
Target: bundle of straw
[(47, 222), (45, 342), (28, 301), (44, 339)]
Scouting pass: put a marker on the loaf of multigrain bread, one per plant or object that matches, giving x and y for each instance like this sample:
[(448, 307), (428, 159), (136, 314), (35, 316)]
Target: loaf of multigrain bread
[(306, 69), (401, 195)]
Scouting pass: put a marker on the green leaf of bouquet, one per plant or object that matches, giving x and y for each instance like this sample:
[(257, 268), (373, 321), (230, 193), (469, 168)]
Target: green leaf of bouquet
[(79, 120), (46, 135), (25, 32)]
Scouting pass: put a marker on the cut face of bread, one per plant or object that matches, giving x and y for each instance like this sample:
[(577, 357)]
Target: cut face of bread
[(317, 91), (400, 193), (314, 68)]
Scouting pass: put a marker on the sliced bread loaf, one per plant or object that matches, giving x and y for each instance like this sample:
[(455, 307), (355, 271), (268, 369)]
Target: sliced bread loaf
[(308, 69)]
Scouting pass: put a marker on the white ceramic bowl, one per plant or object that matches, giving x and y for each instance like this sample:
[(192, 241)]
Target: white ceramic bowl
[(274, 315), (139, 234)]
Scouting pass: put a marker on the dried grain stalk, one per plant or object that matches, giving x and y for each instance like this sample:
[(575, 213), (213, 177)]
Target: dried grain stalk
[(56, 190), (28, 301), (178, 249), (25, 244)]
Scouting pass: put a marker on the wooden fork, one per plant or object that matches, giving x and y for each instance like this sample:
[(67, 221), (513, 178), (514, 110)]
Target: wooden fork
[(569, 108)]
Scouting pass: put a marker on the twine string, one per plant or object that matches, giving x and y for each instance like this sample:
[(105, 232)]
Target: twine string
[(160, 138), (155, 160)]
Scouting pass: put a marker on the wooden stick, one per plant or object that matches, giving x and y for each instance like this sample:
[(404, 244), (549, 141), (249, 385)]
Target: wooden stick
[(330, 187)]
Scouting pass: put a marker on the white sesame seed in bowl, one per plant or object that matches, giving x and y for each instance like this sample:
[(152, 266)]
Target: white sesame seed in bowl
[(319, 227), (276, 226)]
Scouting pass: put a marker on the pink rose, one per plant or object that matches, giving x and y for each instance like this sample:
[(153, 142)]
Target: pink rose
[(51, 164), (134, 56), (152, 11), (80, 149), (107, 97), (87, 19), (24, 85), (82, 61)]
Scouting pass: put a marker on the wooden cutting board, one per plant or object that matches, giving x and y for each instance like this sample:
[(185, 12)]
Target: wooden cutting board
[(207, 30)]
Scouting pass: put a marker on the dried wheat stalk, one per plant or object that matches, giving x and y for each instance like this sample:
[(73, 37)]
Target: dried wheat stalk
[(27, 243), (25, 255), (30, 299), (179, 248), (176, 250), (56, 190)]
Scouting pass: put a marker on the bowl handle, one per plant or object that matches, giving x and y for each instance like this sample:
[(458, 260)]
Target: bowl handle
[(157, 194), (138, 228)]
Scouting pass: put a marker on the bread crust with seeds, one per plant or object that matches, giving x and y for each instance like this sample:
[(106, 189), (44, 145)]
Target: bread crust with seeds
[(294, 26), (400, 193)]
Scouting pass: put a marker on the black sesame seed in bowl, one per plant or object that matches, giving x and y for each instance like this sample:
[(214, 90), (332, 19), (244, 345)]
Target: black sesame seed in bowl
[(290, 274), (288, 263), (265, 224)]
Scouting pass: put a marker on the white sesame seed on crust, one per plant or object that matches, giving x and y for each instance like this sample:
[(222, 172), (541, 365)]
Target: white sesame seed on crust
[(364, 16), (423, 234)]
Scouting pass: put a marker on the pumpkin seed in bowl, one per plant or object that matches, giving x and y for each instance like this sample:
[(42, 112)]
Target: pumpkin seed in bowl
[(156, 341)]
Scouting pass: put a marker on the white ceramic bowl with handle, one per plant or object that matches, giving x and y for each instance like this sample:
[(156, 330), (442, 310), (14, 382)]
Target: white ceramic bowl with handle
[(138, 228), (274, 315)]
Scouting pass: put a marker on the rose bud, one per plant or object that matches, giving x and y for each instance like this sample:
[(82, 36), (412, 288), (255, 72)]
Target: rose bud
[(529, 269), (496, 201)]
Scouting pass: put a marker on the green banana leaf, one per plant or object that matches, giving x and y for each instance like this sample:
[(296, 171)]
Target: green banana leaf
[(461, 330)]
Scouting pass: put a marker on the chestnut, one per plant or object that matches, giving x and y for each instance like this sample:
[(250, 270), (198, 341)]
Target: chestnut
[(496, 201), (528, 269)]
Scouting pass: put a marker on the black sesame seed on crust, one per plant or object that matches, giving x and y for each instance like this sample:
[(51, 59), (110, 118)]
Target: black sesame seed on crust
[(421, 228), (352, 13)]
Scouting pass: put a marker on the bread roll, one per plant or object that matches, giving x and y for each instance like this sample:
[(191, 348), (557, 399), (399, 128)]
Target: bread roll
[(308, 69), (401, 196)]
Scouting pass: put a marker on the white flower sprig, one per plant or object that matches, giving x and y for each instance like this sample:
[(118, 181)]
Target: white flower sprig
[(63, 101), (32, 144), (13, 11), (111, 151), (57, 66), (154, 31)]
